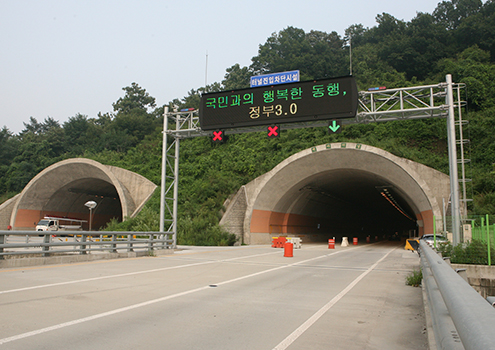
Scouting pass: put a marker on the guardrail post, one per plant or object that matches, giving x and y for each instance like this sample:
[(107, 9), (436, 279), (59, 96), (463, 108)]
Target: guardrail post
[(130, 245), (2, 241), (463, 274), (114, 245), (45, 248), (150, 242), (83, 247), (164, 238)]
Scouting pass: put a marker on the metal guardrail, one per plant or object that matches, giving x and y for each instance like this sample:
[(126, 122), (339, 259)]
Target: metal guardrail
[(461, 318), (46, 243)]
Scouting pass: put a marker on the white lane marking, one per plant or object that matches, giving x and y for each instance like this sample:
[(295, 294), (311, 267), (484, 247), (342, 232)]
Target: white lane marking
[(94, 317), (284, 344), (154, 301), (128, 274)]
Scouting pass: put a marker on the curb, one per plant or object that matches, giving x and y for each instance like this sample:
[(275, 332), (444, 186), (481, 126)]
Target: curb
[(69, 259)]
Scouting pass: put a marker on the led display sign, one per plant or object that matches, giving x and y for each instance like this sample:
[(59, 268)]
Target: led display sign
[(289, 103)]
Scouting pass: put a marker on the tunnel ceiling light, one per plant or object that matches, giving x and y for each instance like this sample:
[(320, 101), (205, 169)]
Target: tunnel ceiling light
[(386, 192), (394, 203)]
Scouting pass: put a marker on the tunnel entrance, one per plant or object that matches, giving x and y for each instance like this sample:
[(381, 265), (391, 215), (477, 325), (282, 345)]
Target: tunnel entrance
[(335, 190), (344, 203), (63, 188)]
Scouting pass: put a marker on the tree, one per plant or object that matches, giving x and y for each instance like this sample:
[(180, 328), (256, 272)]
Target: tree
[(83, 134), (280, 52), (315, 54), (39, 146), (388, 27), (355, 34), (472, 67), (371, 71), (478, 29), (327, 56), (7, 146), (451, 13), (237, 77), (135, 98), (39, 128), (8, 151), (133, 118), (422, 42)]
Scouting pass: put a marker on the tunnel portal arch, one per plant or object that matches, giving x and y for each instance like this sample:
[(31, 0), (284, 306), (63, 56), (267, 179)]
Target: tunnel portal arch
[(63, 188), (335, 190)]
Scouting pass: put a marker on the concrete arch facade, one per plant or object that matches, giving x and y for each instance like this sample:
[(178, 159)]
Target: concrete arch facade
[(63, 188), (338, 189)]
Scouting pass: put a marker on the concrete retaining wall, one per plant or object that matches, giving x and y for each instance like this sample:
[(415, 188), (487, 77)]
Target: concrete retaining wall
[(480, 277)]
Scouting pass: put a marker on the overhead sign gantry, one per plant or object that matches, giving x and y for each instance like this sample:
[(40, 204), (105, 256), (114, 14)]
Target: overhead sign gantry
[(298, 104)]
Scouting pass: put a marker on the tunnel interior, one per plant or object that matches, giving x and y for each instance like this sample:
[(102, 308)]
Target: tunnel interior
[(345, 203), (69, 200)]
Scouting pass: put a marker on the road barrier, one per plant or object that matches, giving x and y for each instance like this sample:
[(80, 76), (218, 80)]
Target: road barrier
[(288, 250), (278, 242), (296, 242), (46, 243), (331, 243), (461, 318)]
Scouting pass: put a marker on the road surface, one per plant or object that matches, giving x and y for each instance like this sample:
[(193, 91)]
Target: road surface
[(249, 297)]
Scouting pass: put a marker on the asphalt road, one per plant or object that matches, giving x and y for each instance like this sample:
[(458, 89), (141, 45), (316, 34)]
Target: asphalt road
[(248, 297)]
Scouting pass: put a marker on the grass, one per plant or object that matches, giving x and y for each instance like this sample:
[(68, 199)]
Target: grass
[(414, 278)]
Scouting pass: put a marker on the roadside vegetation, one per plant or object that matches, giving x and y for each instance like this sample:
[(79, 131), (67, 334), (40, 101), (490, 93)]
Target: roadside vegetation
[(414, 278), (457, 39), (475, 252)]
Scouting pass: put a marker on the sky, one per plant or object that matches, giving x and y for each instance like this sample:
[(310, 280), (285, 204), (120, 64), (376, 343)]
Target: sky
[(64, 57)]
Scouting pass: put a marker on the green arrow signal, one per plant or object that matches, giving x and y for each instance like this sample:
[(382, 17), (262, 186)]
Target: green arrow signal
[(334, 126)]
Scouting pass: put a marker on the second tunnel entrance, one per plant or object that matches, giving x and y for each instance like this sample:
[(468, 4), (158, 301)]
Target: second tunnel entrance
[(336, 190)]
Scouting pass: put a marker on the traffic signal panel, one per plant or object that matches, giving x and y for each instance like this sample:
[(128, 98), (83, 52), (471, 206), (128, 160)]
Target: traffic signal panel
[(335, 126), (218, 136), (273, 131)]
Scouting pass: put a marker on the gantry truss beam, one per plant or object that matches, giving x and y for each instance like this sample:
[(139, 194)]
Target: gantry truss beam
[(415, 102)]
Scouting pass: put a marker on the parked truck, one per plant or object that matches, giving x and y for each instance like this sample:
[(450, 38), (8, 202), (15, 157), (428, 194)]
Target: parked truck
[(52, 223)]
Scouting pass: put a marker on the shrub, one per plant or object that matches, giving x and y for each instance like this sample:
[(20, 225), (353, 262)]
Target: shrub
[(414, 278), (200, 231), (474, 252)]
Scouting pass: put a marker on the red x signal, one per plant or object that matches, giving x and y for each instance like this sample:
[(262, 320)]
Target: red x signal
[(218, 136), (273, 131)]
